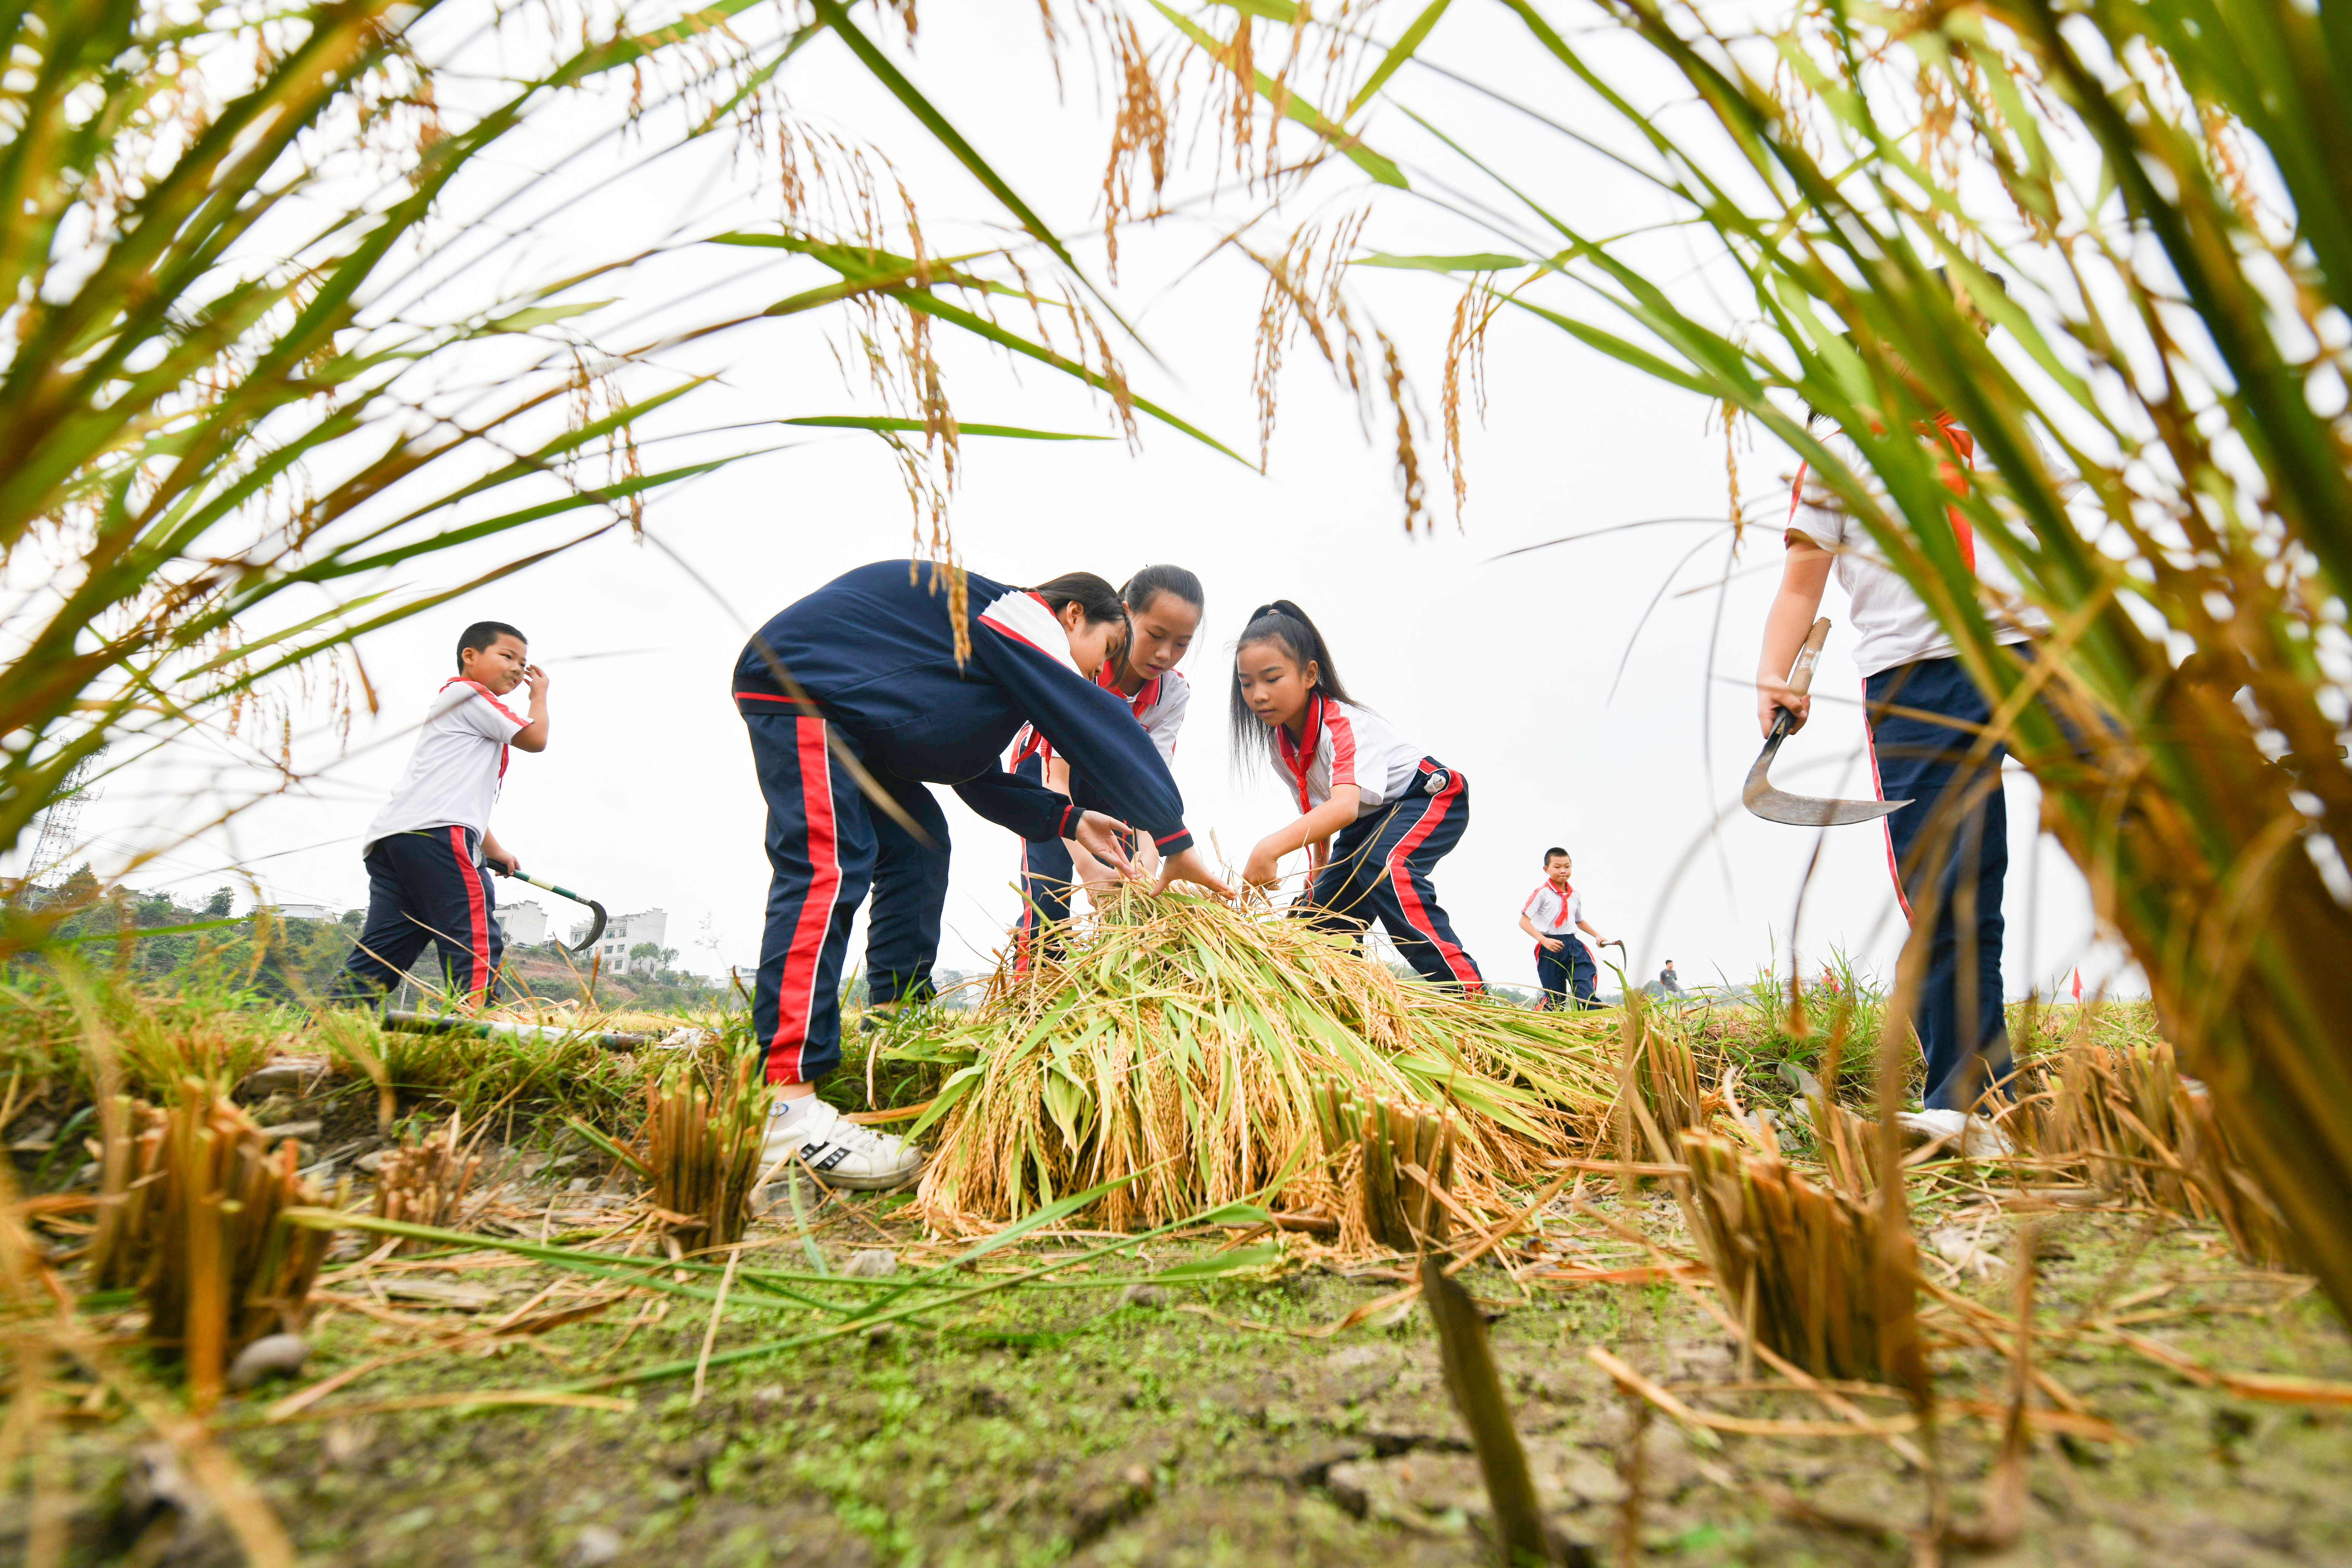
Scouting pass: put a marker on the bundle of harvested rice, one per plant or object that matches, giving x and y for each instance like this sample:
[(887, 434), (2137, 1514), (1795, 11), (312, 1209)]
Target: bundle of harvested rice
[(1822, 1280), (1182, 1042)]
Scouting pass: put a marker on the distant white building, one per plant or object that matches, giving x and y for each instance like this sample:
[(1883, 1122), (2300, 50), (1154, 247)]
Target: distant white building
[(623, 932), (301, 911), (523, 924)]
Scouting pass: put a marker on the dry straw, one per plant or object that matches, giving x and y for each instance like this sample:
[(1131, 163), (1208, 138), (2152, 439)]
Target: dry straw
[(2146, 1132), (1803, 1264), (193, 1228), (1184, 1043), (703, 1139)]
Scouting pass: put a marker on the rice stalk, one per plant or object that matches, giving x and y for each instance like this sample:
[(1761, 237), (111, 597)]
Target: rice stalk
[(1801, 1261), (198, 1232), (703, 1140), (2148, 1132), (1185, 1044), (425, 1181)]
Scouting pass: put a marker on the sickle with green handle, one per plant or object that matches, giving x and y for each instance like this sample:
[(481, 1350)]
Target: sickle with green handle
[(1803, 810), (594, 931)]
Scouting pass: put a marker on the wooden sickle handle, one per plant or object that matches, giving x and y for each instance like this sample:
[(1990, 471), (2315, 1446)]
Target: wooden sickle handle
[(1800, 674)]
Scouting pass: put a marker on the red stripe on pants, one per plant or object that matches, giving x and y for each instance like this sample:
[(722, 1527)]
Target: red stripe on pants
[(796, 994), (1409, 896), (1870, 740), (478, 938)]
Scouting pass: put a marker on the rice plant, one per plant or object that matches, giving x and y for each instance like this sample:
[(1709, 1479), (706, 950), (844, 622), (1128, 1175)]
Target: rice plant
[(2161, 190), (702, 1140), (191, 1223), (1184, 1043), (270, 355)]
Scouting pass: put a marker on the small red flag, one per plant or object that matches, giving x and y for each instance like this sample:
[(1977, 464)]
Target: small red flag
[(2078, 983)]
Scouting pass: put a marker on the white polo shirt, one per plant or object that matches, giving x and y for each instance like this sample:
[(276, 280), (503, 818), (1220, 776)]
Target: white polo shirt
[(1891, 622), (461, 756), (1551, 911), (1345, 744)]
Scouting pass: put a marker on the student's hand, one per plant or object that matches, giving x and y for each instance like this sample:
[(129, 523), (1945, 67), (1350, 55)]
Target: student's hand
[(1190, 866), (1549, 943), (536, 679), (1263, 866), (1101, 837), (1774, 695)]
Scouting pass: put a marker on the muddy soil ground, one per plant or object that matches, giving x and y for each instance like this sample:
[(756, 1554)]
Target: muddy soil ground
[(1204, 1425)]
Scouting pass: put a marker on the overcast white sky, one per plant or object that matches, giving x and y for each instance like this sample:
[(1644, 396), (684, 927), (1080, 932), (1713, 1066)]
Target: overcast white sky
[(1503, 669)]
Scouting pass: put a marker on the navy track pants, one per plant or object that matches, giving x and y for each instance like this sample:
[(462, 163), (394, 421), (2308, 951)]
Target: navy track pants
[(1046, 879), (1950, 847), (828, 845), (1380, 870), (1569, 972), (424, 886)]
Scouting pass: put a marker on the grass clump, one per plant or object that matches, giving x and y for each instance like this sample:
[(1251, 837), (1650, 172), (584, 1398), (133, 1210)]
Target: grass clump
[(703, 1138)]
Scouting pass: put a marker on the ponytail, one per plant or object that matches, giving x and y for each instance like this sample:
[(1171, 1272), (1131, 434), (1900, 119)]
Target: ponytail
[(1098, 599), (1285, 625)]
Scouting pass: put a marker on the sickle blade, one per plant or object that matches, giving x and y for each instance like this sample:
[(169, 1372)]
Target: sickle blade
[(1805, 811)]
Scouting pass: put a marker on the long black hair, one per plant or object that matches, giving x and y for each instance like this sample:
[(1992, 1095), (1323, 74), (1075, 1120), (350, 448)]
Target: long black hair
[(1286, 626)]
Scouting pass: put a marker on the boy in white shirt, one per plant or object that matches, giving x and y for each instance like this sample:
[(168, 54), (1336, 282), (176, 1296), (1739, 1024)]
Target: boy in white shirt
[(1553, 914), (430, 852)]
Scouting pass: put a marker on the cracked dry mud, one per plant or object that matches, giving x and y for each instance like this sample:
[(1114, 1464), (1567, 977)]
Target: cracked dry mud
[(1159, 1434)]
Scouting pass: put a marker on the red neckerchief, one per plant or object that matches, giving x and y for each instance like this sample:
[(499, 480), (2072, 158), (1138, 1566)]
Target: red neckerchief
[(1136, 704), (463, 680), (1956, 479), (1300, 757)]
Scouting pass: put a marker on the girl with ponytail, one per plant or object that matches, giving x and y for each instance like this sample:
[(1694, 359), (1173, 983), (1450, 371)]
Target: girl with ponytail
[(1161, 607), (1375, 814)]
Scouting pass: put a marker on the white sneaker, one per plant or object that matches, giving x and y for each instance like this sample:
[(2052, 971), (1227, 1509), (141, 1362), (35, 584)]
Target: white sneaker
[(841, 1152), (1976, 1138)]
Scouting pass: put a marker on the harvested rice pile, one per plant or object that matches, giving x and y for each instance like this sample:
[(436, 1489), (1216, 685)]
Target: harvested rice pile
[(1186, 1041)]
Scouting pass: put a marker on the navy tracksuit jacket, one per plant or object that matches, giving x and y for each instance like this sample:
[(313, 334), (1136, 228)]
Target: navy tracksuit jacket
[(425, 887), (873, 653)]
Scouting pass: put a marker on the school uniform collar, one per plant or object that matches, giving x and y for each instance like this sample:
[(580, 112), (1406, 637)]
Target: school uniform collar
[(1107, 680), (504, 750), (1300, 757)]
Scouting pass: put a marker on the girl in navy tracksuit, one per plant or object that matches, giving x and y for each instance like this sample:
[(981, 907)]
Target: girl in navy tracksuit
[(1163, 612), (855, 698), (1396, 813)]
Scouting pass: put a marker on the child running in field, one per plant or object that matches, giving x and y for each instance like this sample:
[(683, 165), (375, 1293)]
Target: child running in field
[(1163, 613), (430, 852), (1376, 815), (1553, 914)]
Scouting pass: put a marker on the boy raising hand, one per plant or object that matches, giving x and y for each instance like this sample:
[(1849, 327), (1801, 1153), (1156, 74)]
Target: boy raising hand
[(430, 852)]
